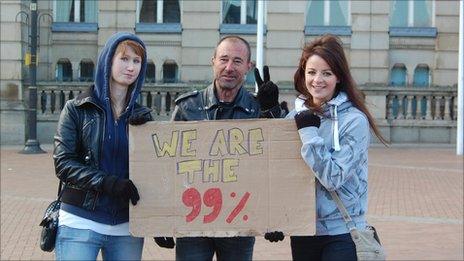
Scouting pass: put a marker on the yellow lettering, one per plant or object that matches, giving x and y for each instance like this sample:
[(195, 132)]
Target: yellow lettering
[(187, 138), (189, 167), (211, 170), (167, 148), (228, 167), (235, 142), (219, 144), (255, 138)]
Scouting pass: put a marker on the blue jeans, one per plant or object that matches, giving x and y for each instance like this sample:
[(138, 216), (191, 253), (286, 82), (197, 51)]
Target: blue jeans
[(325, 248), (84, 244), (203, 248)]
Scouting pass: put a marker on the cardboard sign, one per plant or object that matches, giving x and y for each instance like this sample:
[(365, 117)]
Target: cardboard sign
[(220, 179)]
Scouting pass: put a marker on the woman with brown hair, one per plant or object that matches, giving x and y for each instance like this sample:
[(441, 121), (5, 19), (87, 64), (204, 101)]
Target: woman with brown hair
[(333, 123)]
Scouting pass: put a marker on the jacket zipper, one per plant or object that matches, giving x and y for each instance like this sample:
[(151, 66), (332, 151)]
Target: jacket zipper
[(100, 148)]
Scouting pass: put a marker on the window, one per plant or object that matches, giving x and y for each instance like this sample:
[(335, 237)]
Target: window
[(250, 76), (159, 11), (421, 75), (421, 80), (398, 75), (169, 72), (327, 13), (151, 72), (328, 16), (86, 70), (75, 16), (240, 17), (80, 11), (412, 18), (63, 72), (398, 78), (158, 16), (411, 13), (239, 11)]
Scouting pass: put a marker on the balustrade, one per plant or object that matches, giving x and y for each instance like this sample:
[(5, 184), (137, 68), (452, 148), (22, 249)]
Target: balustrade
[(423, 104), (161, 98)]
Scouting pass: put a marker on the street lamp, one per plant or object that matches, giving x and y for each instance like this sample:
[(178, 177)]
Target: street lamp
[(32, 145)]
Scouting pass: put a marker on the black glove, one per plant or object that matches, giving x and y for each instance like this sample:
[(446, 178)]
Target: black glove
[(268, 92), (284, 107), (307, 119), (123, 188), (166, 242), (138, 120), (274, 236)]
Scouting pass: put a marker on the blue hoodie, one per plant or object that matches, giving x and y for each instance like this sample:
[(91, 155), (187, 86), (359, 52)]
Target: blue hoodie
[(114, 159)]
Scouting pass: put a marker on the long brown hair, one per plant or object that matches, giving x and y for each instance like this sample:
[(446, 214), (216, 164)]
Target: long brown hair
[(329, 48)]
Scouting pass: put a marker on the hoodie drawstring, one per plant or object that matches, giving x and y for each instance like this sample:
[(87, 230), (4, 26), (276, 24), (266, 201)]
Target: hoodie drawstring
[(336, 142)]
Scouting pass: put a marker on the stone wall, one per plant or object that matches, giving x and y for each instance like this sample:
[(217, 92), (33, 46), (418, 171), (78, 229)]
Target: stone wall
[(370, 48), (12, 49)]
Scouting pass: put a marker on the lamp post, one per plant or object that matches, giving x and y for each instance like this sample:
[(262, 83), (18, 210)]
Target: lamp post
[(259, 39), (32, 145), (460, 98)]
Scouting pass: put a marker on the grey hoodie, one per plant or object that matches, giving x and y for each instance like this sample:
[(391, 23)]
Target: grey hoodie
[(337, 154)]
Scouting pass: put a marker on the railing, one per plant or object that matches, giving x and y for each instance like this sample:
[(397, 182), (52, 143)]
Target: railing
[(419, 104), (52, 97), (422, 104)]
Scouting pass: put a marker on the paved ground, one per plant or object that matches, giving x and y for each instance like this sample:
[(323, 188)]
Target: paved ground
[(415, 202)]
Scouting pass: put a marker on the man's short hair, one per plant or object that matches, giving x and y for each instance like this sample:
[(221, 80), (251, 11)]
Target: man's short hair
[(235, 38)]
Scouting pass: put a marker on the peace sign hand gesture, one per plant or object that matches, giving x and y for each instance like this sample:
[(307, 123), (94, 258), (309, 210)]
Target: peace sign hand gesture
[(268, 92)]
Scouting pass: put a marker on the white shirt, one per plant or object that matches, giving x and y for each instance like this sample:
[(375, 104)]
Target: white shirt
[(71, 220)]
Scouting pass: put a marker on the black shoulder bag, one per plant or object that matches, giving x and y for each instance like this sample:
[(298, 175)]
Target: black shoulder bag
[(50, 223)]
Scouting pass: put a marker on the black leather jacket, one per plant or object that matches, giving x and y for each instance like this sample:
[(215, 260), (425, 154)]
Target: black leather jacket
[(78, 145), (203, 105)]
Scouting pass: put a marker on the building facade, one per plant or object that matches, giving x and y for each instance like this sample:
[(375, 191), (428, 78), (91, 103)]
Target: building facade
[(403, 53)]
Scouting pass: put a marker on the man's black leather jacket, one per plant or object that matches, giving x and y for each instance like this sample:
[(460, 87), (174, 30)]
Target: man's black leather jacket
[(203, 105), (78, 144)]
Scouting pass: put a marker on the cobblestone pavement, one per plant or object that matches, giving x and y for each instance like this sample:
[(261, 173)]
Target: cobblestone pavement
[(415, 202)]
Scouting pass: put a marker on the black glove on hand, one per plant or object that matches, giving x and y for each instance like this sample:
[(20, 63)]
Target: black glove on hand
[(138, 120), (166, 242), (124, 188), (307, 119), (274, 236), (268, 92)]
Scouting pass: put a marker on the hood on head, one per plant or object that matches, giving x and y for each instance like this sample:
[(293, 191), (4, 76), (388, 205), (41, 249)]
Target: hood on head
[(103, 72)]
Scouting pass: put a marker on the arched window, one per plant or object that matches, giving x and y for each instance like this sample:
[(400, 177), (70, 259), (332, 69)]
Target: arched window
[(151, 72), (63, 71), (169, 72), (398, 78), (421, 80), (86, 69), (250, 76), (398, 75), (421, 75)]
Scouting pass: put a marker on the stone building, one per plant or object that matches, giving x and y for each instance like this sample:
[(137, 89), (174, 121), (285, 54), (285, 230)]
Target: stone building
[(403, 54)]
